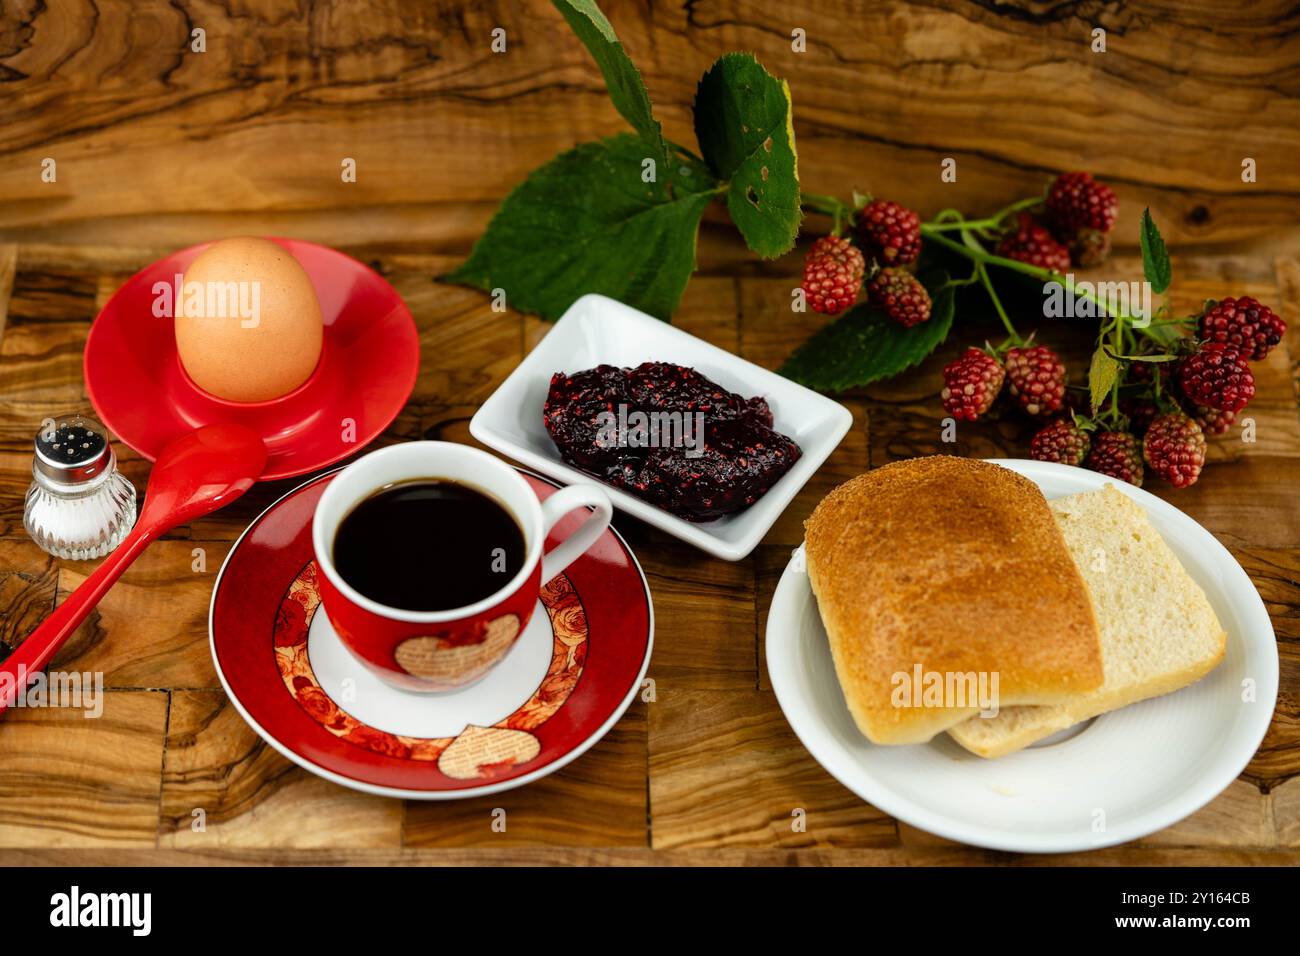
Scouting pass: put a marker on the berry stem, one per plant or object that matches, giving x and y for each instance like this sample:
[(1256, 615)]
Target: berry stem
[(962, 226), (970, 279), (1117, 329), (983, 256), (951, 220), (997, 304), (945, 221), (970, 246), (839, 212), (818, 202)]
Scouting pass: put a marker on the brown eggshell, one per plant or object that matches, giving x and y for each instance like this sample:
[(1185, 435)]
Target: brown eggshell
[(237, 356)]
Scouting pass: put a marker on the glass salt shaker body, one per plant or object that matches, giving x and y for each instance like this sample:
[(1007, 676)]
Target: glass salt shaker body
[(79, 506)]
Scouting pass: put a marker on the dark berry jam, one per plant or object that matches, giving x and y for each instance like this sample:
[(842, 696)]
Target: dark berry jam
[(669, 435)]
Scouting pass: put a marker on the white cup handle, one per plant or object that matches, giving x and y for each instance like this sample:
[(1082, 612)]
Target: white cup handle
[(560, 504)]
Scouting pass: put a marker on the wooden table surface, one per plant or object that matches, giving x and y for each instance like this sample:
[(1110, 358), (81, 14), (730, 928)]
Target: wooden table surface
[(709, 771), (158, 147)]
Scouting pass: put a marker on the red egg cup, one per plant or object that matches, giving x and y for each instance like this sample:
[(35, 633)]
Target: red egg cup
[(370, 354), (285, 414)]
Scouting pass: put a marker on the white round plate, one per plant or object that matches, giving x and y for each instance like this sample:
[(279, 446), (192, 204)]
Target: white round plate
[(1127, 774)]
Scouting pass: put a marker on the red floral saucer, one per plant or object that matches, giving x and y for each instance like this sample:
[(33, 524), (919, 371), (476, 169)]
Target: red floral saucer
[(568, 679), (370, 357)]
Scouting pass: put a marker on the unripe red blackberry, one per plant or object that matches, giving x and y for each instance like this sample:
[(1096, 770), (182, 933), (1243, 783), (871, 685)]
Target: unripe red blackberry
[(1088, 247), (1062, 441), (1034, 244), (832, 275), (1117, 454), (1077, 201), (1174, 447), (970, 384), (889, 232), (1140, 413), (1036, 379), (1144, 371), (1217, 376), (1213, 421), (1245, 324), (900, 295)]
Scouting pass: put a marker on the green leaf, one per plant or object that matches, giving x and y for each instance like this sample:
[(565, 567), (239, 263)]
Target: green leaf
[(1155, 257), (586, 222), (623, 80), (864, 345), (1101, 377), (742, 122)]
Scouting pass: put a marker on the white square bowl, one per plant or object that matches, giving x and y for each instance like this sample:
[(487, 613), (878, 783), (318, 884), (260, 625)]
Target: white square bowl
[(598, 330)]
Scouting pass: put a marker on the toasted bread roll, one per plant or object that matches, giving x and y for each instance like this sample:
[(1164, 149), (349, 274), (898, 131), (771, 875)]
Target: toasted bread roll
[(954, 566)]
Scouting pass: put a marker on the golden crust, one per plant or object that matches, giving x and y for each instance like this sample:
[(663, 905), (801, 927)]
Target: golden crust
[(955, 565)]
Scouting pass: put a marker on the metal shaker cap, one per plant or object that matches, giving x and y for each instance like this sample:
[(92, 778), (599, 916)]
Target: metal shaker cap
[(76, 451)]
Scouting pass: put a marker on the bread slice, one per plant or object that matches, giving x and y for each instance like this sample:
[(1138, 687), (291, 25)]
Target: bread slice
[(1158, 631), (955, 567)]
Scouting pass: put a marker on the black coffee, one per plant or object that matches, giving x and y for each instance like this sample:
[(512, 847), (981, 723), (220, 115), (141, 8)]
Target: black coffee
[(428, 545)]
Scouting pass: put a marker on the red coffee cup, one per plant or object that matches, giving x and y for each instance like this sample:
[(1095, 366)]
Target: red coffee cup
[(437, 651)]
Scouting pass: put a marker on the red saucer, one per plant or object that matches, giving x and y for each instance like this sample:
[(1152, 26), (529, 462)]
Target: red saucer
[(567, 681), (369, 361)]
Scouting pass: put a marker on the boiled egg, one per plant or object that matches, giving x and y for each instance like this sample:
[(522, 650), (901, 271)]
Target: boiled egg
[(248, 323)]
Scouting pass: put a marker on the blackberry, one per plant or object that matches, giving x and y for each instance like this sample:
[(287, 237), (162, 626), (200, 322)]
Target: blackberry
[(1217, 376), (1077, 201), (900, 295), (1174, 447), (889, 232), (1033, 243), (1117, 454), (1062, 441), (832, 275), (1244, 324), (1036, 379), (971, 383)]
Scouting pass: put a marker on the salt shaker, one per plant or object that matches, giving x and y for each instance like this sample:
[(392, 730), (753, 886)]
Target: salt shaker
[(79, 506)]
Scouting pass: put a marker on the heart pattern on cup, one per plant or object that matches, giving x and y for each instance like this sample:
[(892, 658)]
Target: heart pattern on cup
[(568, 659), (443, 660), (484, 752)]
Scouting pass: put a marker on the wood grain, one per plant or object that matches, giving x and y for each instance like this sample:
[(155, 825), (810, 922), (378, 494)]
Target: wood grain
[(695, 595), (158, 148), (936, 855), (28, 584), (44, 336), (223, 787), (134, 639), (159, 143), (708, 764), (8, 265), (1286, 811), (598, 800), (73, 780), (1241, 816), (726, 770)]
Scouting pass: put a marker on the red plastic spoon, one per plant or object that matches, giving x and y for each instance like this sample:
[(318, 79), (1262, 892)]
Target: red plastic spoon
[(195, 475)]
